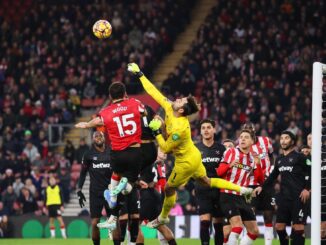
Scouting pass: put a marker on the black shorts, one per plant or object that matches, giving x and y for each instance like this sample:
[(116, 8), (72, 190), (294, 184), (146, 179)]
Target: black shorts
[(234, 205), (265, 200), (150, 204), (54, 211), (127, 162), (96, 204), (131, 203), (208, 201), (293, 211), (149, 152)]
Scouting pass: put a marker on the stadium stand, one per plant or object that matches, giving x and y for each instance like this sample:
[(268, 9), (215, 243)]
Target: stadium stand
[(52, 67)]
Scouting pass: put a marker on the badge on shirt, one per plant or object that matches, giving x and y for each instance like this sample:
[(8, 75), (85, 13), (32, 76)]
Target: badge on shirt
[(175, 137)]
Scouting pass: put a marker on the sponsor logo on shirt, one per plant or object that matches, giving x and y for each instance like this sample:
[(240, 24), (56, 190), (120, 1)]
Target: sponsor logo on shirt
[(211, 159), (101, 165), (283, 169), (244, 167)]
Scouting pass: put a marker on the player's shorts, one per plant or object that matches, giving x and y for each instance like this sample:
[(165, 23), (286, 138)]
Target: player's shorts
[(265, 200), (131, 203), (208, 201), (291, 210), (149, 151), (150, 204), (127, 162), (54, 211), (96, 204), (234, 205), (186, 168)]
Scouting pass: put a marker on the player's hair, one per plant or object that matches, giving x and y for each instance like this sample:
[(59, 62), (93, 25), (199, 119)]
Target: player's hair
[(291, 134), (252, 135), (228, 140), (191, 106), (251, 127), (117, 90), (304, 147), (207, 120)]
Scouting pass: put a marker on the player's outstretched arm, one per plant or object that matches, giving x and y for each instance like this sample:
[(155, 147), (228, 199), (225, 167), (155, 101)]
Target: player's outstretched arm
[(148, 86), (95, 122)]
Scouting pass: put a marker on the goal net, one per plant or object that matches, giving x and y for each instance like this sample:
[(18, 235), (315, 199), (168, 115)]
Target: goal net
[(318, 175)]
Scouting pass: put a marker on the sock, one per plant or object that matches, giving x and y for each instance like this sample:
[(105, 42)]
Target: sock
[(297, 237), (115, 179), (248, 239), (123, 228), (161, 238), (52, 231), (283, 237), (224, 184), (116, 242), (168, 204), (218, 237), (172, 242), (204, 232), (127, 190), (63, 231), (268, 235), (96, 242), (134, 228), (139, 243), (225, 240), (234, 235)]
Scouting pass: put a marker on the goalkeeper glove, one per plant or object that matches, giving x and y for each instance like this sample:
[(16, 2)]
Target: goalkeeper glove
[(134, 69), (155, 126)]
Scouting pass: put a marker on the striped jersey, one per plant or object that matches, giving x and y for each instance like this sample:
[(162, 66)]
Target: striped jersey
[(239, 173), (263, 147)]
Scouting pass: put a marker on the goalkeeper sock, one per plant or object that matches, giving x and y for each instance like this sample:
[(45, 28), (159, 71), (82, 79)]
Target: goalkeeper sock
[(168, 204), (224, 184)]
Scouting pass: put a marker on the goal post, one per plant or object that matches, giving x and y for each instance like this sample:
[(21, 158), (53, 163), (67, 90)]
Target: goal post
[(317, 109)]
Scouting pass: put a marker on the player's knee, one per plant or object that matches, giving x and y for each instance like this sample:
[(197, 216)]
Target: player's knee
[(255, 231), (280, 226), (298, 227), (94, 222)]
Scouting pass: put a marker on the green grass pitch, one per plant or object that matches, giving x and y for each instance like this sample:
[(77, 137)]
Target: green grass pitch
[(104, 242)]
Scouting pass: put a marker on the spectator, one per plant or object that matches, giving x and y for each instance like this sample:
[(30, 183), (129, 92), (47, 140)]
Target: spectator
[(31, 151), (64, 178), (30, 186), (17, 185), (3, 221), (9, 198), (83, 147), (27, 201), (69, 151)]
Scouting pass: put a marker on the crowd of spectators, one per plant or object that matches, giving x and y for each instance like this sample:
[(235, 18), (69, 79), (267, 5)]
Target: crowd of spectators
[(49, 62), (252, 61)]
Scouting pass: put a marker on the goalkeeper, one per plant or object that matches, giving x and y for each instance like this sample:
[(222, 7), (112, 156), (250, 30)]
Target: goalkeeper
[(188, 163)]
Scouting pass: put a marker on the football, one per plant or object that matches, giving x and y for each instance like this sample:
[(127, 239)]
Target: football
[(102, 29)]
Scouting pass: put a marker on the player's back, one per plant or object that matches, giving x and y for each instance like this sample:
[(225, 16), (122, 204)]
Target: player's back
[(123, 123)]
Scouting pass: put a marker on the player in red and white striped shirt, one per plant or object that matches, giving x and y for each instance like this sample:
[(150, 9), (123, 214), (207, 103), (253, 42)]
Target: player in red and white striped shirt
[(236, 166), (265, 202)]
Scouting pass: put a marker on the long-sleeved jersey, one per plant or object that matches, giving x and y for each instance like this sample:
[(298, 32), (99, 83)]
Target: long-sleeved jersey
[(294, 169), (98, 165), (178, 129)]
